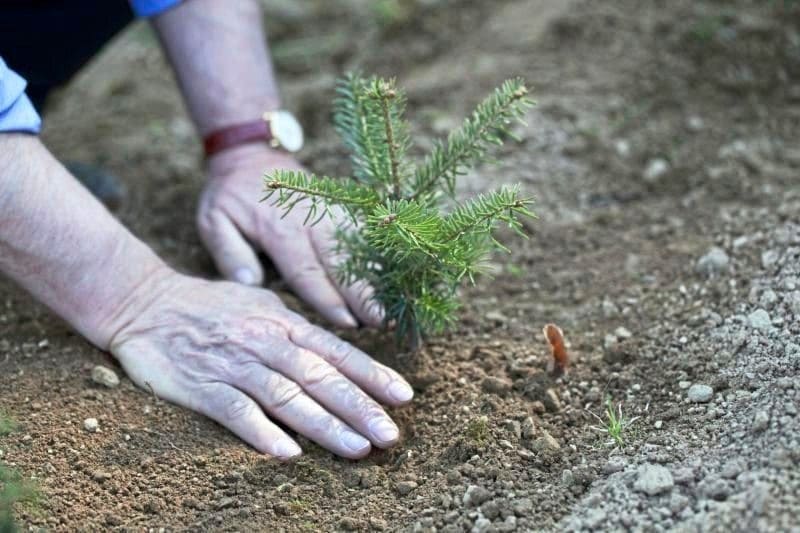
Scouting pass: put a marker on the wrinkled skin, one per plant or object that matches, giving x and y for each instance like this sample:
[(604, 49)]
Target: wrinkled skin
[(234, 225), (237, 355)]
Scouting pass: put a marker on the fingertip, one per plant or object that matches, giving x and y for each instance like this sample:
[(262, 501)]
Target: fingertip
[(342, 317), (286, 449), (373, 315), (384, 432), (400, 392), (246, 276), (354, 445)]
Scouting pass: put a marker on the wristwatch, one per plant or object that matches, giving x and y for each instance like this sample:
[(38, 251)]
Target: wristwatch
[(277, 128)]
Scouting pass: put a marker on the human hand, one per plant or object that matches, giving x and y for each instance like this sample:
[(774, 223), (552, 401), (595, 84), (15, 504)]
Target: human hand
[(229, 215), (237, 355)]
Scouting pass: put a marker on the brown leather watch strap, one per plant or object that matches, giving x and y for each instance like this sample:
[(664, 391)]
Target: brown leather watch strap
[(228, 137)]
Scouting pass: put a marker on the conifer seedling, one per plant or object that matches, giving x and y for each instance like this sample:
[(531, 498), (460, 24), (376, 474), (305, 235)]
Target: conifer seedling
[(411, 241)]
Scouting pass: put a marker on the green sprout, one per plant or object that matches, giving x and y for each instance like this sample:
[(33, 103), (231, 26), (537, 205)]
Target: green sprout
[(7, 425), (478, 430), (407, 236), (614, 423), (13, 487)]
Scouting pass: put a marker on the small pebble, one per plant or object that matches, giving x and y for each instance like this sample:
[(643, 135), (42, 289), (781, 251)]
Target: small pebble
[(759, 319), (404, 487), (655, 170), (761, 421), (699, 393), (105, 376), (623, 333), (495, 385), (615, 464), (653, 479), (713, 262), (475, 495), (91, 424)]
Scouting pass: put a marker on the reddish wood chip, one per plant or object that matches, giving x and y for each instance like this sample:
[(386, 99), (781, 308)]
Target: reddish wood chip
[(555, 337)]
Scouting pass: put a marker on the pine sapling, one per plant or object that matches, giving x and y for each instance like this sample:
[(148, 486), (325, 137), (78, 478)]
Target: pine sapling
[(410, 239)]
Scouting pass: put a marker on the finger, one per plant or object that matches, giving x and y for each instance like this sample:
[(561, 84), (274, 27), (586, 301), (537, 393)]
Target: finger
[(284, 400), (358, 295), (232, 254), (297, 262), (378, 380), (241, 414), (331, 389)]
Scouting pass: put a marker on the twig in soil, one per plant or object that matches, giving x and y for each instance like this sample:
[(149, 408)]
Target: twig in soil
[(154, 432), (555, 338)]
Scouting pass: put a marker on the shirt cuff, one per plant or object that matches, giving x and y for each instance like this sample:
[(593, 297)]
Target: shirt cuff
[(149, 8), (17, 113)]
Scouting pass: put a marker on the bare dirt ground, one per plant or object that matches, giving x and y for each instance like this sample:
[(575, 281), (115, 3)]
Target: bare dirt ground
[(664, 156)]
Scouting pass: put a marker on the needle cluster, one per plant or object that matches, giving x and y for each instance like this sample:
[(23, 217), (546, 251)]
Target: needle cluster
[(410, 240)]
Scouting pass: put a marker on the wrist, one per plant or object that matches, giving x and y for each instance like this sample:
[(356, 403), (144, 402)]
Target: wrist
[(128, 281), (233, 158)]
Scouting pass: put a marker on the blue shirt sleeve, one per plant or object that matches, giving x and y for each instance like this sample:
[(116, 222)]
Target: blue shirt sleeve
[(148, 8), (16, 110)]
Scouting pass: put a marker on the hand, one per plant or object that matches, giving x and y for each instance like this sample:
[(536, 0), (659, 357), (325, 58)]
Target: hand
[(236, 354), (230, 215)]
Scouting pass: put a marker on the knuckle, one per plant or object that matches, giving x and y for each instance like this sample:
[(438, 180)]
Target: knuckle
[(207, 220), (340, 351), (319, 373), (282, 394), (237, 407), (306, 271)]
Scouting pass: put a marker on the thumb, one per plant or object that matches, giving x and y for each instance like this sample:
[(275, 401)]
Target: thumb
[(232, 254)]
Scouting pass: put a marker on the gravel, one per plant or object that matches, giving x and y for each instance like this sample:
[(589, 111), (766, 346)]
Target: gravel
[(730, 463)]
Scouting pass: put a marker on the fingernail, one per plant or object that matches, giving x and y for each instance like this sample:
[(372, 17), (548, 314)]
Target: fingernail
[(342, 316), (353, 441), (287, 448), (384, 430), (401, 392), (244, 275), (377, 314)]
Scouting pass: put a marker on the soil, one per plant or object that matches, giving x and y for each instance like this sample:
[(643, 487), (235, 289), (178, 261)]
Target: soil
[(664, 158)]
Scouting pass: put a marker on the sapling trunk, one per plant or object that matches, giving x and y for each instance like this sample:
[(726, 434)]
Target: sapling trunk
[(404, 241)]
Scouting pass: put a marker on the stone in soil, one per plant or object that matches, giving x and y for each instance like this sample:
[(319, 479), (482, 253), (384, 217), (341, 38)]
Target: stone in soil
[(714, 261), (615, 464), (653, 480), (700, 393), (91, 425), (760, 421), (759, 319), (404, 487), (655, 170), (105, 376), (551, 401), (495, 385), (475, 496)]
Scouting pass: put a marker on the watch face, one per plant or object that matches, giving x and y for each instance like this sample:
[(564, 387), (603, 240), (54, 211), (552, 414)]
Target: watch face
[(286, 130)]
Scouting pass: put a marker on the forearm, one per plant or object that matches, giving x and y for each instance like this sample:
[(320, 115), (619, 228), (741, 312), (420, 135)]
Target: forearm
[(59, 243), (219, 53)]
